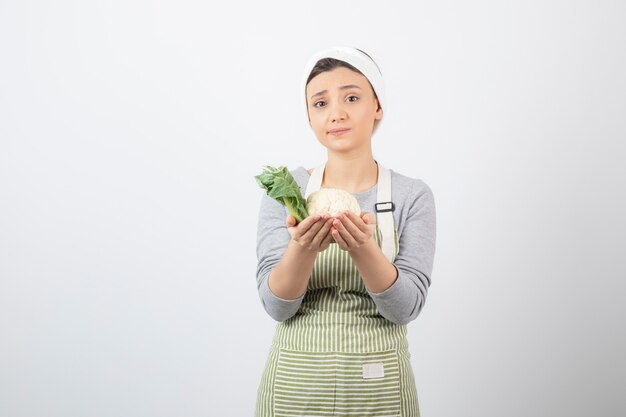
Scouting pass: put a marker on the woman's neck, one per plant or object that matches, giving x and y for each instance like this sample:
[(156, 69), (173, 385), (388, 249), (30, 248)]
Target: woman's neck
[(354, 175)]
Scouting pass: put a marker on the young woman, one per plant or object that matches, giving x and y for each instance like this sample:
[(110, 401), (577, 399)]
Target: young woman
[(343, 289)]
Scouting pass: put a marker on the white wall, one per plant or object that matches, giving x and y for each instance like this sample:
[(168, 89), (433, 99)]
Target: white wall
[(130, 133)]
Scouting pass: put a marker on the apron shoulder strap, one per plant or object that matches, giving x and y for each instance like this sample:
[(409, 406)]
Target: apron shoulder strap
[(315, 181), (384, 212)]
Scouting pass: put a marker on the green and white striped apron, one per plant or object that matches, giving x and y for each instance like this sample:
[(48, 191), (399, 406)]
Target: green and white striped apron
[(337, 356)]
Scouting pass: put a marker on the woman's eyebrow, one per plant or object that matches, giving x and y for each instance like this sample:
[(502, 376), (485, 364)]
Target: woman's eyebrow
[(343, 87)]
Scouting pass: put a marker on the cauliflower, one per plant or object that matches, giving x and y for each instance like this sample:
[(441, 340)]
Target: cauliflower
[(332, 201)]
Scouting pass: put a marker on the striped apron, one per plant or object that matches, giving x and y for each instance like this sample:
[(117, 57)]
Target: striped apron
[(337, 356)]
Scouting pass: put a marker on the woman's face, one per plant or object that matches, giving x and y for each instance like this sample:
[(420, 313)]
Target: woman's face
[(342, 98)]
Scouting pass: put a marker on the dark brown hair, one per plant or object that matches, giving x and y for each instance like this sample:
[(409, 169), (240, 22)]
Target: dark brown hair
[(329, 64)]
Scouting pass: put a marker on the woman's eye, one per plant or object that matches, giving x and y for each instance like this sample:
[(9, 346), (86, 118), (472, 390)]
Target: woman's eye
[(323, 102)]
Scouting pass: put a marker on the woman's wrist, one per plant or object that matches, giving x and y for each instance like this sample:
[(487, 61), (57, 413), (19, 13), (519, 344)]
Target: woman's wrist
[(302, 251), (377, 272), (369, 248)]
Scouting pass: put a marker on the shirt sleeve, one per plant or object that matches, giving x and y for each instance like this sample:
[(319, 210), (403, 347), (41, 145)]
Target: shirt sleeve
[(404, 299), (272, 240)]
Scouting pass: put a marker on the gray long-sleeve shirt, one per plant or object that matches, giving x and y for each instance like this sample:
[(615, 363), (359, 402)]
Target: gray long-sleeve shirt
[(415, 220)]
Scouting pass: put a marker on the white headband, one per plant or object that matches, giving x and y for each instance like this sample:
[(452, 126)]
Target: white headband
[(358, 60)]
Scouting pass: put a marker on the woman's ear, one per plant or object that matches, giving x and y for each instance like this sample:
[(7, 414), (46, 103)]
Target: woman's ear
[(379, 110)]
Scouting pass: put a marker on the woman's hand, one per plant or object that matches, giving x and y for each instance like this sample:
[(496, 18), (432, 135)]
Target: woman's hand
[(351, 231), (312, 233)]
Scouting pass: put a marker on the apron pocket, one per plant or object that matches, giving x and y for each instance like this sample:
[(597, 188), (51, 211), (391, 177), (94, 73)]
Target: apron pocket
[(320, 384)]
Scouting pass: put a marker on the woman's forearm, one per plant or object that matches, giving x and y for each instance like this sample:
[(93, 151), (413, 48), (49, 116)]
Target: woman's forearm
[(377, 272), (290, 276)]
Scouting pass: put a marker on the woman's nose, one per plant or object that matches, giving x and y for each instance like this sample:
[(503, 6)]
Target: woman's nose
[(337, 112)]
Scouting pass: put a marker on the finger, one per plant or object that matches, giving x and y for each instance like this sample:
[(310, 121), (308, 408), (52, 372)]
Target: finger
[(328, 239), (368, 218), (344, 233), (338, 240), (323, 233), (306, 224), (354, 224), (313, 230), (317, 239)]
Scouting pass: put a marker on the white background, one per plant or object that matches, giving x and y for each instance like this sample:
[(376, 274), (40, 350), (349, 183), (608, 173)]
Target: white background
[(130, 133)]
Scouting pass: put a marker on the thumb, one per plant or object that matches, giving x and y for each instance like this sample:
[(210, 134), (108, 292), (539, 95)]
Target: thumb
[(369, 218)]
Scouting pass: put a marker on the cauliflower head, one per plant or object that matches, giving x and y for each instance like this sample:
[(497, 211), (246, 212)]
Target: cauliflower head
[(332, 201)]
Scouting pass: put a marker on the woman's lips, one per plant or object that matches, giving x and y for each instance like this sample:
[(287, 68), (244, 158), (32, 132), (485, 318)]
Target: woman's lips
[(338, 132)]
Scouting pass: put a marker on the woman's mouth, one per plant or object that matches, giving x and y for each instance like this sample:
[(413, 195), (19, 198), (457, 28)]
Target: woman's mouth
[(338, 132)]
